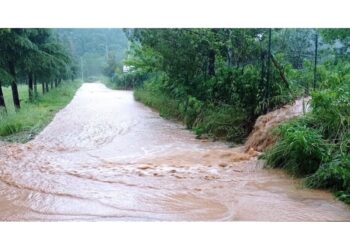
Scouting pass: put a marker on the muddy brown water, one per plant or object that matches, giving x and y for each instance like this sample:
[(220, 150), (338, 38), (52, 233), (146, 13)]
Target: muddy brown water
[(107, 157)]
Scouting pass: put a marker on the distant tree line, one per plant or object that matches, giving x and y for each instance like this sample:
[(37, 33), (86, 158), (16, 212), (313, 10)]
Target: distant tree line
[(97, 51)]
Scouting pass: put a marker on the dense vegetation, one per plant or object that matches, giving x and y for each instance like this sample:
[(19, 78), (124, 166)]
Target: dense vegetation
[(218, 81), (317, 145)]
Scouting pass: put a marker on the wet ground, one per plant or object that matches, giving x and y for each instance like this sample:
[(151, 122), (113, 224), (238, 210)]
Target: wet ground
[(107, 157)]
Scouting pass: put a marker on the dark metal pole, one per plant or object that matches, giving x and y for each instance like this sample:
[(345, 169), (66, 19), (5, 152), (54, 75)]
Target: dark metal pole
[(268, 72), (315, 66)]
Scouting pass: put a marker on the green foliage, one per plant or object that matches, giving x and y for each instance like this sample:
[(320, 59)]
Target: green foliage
[(5, 76), (210, 73), (224, 122), (318, 145), (166, 106), (300, 150), (293, 43), (190, 109), (334, 175), (331, 35), (331, 108), (129, 80)]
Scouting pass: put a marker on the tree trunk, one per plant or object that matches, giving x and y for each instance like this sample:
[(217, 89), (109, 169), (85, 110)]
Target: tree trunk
[(14, 89), (211, 67), (30, 87), (2, 100), (229, 57), (35, 86), (280, 70), (315, 64), (46, 87), (43, 87), (15, 95), (263, 71), (268, 73)]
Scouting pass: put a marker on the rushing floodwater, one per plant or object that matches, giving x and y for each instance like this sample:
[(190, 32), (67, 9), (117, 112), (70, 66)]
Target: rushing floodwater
[(107, 157)]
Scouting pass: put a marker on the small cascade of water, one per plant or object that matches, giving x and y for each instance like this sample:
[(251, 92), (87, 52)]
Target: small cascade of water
[(261, 137)]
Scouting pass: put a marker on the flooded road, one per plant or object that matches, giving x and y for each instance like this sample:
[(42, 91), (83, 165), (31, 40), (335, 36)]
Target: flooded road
[(107, 157)]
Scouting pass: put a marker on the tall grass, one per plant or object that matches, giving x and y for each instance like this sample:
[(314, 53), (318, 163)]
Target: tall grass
[(166, 106), (317, 146), (300, 150), (221, 122), (24, 124)]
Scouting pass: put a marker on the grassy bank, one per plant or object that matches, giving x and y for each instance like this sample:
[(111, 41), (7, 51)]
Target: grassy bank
[(223, 122), (317, 146), (23, 125)]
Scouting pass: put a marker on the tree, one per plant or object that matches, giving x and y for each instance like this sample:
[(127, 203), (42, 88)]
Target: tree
[(4, 76), (15, 47), (33, 62), (36, 53), (209, 68)]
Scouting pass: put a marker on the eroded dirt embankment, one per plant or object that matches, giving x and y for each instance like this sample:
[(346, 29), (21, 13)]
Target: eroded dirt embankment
[(107, 157)]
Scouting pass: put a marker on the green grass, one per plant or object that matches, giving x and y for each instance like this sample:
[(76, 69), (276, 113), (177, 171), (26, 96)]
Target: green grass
[(23, 95), (300, 151), (219, 122), (223, 122), (166, 106), (23, 125)]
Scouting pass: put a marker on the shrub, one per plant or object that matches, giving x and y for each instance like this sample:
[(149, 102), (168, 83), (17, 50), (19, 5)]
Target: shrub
[(191, 110), (129, 80), (334, 175), (300, 150), (225, 122), (331, 111), (167, 107), (318, 145)]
